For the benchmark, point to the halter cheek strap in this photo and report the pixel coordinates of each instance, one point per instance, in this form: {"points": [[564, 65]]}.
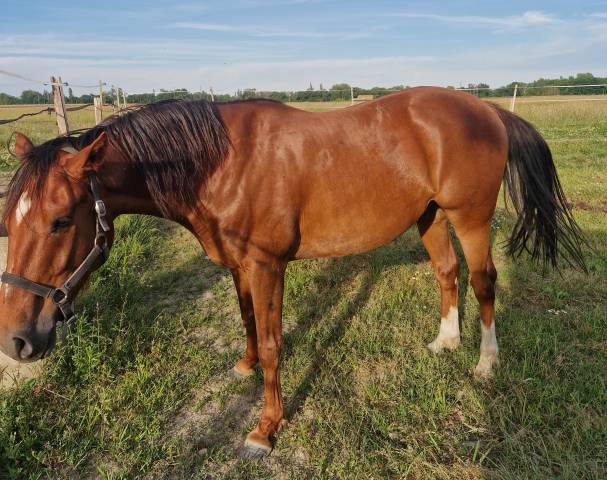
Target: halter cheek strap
{"points": [[62, 296]]}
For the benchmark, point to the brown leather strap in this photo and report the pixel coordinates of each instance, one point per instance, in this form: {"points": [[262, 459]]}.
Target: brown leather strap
{"points": [[25, 284]]}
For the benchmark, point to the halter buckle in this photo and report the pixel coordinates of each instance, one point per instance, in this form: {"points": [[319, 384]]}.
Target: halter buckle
{"points": [[101, 212], [100, 208]]}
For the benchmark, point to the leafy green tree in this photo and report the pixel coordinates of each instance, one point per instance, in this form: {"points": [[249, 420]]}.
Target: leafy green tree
{"points": [[31, 96], [6, 99]]}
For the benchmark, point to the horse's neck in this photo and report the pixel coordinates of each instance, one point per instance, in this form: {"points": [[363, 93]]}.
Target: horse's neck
{"points": [[125, 189], [126, 192]]}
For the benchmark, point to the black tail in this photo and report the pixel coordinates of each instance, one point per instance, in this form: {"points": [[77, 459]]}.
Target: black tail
{"points": [[545, 226]]}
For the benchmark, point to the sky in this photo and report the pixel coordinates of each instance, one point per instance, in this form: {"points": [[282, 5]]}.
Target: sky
{"points": [[286, 45]]}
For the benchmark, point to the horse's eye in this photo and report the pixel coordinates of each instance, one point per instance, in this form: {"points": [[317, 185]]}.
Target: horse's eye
{"points": [[61, 224]]}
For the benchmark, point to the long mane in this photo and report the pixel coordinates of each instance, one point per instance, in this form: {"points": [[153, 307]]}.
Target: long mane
{"points": [[175, 145]]}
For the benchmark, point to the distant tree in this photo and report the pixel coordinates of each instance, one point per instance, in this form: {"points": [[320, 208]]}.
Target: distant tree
{"points": [[341, 86], [6, 99], [31, 96]]}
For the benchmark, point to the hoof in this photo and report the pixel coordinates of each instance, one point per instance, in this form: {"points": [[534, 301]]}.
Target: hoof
{"points": [[256, 446], [484, 368], [440, 344], [242, 370]]}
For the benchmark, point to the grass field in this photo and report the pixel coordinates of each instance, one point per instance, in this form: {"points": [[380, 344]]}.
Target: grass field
{"points": [[142, 388]]}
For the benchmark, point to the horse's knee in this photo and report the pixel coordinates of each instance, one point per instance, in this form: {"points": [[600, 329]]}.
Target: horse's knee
{"points": [[269, 351], [447, 273]]}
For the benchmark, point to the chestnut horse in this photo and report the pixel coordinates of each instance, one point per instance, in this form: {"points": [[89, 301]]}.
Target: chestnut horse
{"points": [[260, 184]]}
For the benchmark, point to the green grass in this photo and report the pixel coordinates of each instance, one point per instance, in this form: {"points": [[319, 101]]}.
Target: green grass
{"points": [[141, 389]]}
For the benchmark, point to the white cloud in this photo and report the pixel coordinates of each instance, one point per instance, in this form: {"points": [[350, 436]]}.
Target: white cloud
{"points": [[527, 19], [263, 32]]}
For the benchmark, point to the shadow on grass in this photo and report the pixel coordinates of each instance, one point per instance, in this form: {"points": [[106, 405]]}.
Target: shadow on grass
{"points": [[318, 302], [330, 286], [546, 407]]}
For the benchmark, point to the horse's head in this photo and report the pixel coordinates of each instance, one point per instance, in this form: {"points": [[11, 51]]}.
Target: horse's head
{"points": [[52, 226]]}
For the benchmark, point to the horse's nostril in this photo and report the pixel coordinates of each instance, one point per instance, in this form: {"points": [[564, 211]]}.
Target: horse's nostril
{"points": [[19, 344], [23, 348]]}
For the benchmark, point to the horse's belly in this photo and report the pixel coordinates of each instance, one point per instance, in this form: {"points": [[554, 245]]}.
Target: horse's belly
{"points": [[358, 225]]}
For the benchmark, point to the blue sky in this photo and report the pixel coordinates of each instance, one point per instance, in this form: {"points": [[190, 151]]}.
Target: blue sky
{"points": [[271, 44]]}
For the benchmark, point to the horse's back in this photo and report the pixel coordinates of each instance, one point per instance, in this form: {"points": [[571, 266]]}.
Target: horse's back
{"points": [[347, 181], [385, 161]]}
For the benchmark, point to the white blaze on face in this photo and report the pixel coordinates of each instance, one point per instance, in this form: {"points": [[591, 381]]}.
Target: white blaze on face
{"points": [[23, 206]]}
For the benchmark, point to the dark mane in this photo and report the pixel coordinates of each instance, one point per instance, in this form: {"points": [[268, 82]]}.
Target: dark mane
{"points": [[252, 100], [176, 145]]}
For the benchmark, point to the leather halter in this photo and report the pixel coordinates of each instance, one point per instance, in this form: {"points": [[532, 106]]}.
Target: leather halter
{"points": [[62, 296]]}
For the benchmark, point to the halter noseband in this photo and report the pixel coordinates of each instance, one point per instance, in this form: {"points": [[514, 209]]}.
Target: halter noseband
{"points": [[62, 296]]}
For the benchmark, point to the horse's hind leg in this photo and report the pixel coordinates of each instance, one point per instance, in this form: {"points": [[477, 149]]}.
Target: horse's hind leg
{"points": [[434, 231], [475, 243], [246, 365]]}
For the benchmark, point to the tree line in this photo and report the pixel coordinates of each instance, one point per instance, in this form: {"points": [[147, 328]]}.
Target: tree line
{"points": [[340, 91]]}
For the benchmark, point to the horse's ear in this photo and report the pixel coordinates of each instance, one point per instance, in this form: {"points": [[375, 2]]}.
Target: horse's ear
{"points": [[23, 145], [88, 159]]}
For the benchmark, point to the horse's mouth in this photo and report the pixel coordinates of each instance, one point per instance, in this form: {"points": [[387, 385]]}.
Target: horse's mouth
{"points": [[52, 340]]}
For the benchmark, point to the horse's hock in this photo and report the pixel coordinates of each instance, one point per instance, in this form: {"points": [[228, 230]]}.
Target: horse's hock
{"points": [[12, 371]]}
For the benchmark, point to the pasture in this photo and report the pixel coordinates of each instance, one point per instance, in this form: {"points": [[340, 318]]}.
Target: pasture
{"points": [[142, 388]]}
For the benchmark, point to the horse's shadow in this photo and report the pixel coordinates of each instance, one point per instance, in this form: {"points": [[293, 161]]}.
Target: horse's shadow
{"points": [[336, 292], [328, 289], [319, 301], [322, 300]]}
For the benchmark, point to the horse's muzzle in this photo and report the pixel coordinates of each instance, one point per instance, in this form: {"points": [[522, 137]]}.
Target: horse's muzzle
{"points": [[29, 346]]}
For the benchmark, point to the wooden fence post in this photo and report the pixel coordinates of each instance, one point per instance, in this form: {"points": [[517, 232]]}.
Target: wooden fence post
{"points": [[118, 106], [513, 101], [98, 108], [100, 103], [59, 101], [123, 99], [113, 90]]}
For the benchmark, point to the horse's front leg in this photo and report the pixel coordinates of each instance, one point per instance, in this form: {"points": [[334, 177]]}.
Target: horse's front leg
{"points": [[267, 284], [246, 366]]}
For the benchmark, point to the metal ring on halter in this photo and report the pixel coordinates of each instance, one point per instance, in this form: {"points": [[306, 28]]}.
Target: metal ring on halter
{"points": [[63, 299]]}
